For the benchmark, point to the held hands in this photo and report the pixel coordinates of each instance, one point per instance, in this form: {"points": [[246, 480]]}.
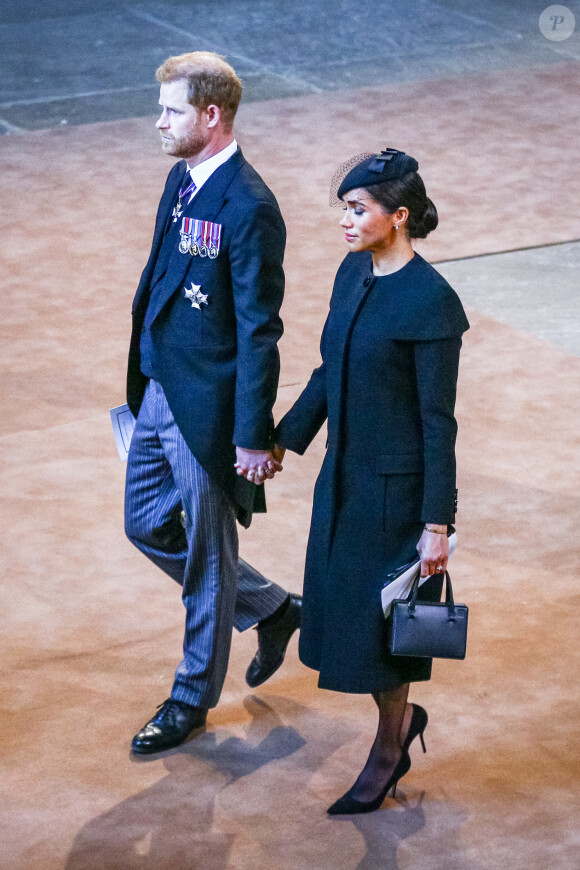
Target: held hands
{"points": [[257, 465], [433, 548]]}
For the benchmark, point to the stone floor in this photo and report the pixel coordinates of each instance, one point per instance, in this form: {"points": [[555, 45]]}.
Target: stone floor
{"points": [[91, 633], [535, 289]]}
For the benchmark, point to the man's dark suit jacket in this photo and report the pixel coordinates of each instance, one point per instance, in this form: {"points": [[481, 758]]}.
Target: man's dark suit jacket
{"points": [[218, 365]]}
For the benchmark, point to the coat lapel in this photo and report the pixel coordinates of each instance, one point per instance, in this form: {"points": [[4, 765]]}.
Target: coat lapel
{"points": [[164, 214], [207, 205], [348, 306], [353, 293]]}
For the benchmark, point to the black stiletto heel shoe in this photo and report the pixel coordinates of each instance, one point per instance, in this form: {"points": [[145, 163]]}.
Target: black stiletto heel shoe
{"points": [[347, 805], [417, 727]]}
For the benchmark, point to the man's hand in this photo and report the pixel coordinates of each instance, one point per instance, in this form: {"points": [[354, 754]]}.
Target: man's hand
{"points": [[257, 465]]}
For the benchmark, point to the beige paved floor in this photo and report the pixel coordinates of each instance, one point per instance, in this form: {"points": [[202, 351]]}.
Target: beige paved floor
{"points": [[92, 633]]}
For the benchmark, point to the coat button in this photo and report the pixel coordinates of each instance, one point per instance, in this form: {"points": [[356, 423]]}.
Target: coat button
{"points": [[367, 281]]}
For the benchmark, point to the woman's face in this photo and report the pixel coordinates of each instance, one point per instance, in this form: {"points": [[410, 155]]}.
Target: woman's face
{"points": [[367, 227]]}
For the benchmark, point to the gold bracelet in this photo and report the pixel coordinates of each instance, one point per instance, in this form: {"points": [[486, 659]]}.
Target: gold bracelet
{"points": [[435, 531]]}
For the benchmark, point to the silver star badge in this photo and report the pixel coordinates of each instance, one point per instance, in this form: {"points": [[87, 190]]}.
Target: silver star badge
{"points": [[196, 296]]}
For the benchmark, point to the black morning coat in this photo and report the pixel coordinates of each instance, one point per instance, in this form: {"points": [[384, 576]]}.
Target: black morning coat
{"points": [[387, 385], [219, 364]]}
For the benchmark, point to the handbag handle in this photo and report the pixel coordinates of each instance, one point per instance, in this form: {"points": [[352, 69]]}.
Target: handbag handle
{"points": [[412, 599]]}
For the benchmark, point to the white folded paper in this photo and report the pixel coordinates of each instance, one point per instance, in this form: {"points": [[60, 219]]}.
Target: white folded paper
{"points": [[401, 586], [123, 424]]}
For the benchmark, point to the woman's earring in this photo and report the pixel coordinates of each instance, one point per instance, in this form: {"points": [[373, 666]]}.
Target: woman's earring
{"points": [[396, 226]]}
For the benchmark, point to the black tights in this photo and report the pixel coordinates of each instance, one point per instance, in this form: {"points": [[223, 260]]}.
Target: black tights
{"points": [[386, 749]]}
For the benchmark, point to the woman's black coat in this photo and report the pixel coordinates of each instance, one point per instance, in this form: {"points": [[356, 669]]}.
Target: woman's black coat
{"points": [[387, 384]]}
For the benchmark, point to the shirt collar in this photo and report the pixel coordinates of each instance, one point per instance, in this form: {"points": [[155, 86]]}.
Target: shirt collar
{"points": [[201, 172]]}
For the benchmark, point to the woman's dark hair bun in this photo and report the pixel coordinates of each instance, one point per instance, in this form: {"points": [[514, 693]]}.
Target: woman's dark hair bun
{"points": [[408, 191], [420, 227]]}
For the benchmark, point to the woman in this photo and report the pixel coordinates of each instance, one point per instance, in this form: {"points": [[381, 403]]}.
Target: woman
{"points": [[387, 383]]}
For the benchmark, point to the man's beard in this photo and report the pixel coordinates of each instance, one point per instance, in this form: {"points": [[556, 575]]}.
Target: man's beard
{"points": [[187, 146]]}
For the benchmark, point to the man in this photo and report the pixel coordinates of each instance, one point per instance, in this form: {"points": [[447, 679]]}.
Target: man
{"points": [[202, 380]]}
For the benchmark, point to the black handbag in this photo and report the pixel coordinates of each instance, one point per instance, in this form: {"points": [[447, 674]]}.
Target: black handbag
{"points": [[427, 629]]}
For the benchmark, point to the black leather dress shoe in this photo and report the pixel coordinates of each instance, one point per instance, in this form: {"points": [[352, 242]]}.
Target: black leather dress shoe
{"points": [[169, 727], [273, 638]]}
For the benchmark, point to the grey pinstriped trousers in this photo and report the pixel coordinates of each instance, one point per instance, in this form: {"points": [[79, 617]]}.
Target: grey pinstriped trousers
{"points": [[219, 590]]}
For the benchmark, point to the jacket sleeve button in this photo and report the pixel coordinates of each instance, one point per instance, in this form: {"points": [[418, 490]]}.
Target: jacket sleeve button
{"points": [[367, 281]]}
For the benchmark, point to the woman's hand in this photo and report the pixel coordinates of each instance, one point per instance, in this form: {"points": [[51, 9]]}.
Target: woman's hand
{"points": [[433, 548], [278, 453]]}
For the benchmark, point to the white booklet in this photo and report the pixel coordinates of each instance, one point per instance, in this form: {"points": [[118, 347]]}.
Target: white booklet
{"points": [[123, 424], [400, 587]]}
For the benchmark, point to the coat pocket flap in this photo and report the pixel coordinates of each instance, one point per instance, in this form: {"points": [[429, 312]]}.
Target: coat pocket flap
{"points": [[399, 463]]}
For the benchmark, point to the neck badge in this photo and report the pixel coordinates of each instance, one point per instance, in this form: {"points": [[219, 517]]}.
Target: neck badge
{"points": [[182, 192], [196, 297], [200, 238]]}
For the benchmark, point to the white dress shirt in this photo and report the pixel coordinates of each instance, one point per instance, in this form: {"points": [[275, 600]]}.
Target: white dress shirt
{"points": [[201, 172]]}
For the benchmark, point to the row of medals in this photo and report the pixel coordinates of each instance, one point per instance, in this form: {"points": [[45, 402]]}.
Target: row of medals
{"points": [[187, 247]]}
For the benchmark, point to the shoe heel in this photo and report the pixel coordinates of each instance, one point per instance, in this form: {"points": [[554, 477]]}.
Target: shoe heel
{"points": [[401, 769], [417, 727]]}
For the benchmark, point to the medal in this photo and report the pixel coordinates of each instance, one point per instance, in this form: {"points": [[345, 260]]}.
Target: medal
{"points": [[179, 207], [186, 232], [200, 238], [198, 248], [196, 297], [214, 240]]}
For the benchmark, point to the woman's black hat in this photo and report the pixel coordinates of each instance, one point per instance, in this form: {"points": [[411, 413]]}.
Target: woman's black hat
{"points": [[385, 166]]}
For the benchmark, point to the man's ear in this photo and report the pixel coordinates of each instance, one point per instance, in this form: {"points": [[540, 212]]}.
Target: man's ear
{"points": [[213, 115]]}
